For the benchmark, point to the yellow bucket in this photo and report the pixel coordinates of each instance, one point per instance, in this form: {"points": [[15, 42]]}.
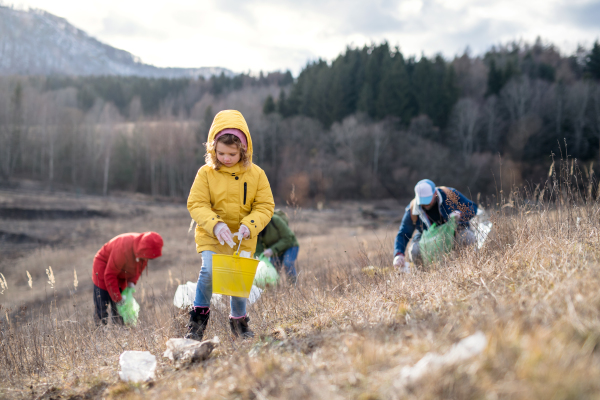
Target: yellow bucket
{"points": [[233, 275]]}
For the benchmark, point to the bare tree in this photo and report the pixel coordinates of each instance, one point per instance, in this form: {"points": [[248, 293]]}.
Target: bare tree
{"points": [[595, 122], [578, 96], [378, 133], [465, 123], [49, 134], [108, 120], [11, 132], [518, 97], [491, 118], [471, 75], [521, 99], [5, 133], [559, 108]]}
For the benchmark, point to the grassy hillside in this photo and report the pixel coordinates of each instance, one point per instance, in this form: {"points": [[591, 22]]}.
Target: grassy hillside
{"points": [[343, 332]]}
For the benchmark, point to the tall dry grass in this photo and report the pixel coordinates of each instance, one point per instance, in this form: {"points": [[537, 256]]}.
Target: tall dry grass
{"points": [[344, 332]]}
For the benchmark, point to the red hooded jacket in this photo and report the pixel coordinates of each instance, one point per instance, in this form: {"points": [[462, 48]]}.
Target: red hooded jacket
{"points": [[119, 262]]}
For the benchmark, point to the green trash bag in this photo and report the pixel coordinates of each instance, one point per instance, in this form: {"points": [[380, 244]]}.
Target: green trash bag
{"points": [[437, 241], [266, 274], [130, 308]]}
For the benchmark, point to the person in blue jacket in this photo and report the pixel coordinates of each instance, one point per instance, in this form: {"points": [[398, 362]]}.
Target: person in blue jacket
{"points": [[432, 204]]}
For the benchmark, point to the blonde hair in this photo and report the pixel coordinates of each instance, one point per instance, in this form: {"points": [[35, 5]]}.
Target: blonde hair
{"points": [[210, 158]]}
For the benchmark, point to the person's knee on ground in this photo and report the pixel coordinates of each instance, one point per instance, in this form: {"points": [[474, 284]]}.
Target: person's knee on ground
{"points": [[414, 250]]}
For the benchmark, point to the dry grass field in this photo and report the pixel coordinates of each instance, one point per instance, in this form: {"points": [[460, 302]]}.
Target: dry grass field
{"points": [[342, 332]]}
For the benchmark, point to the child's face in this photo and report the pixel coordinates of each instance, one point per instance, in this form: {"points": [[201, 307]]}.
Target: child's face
{"points": [[227, 155]]}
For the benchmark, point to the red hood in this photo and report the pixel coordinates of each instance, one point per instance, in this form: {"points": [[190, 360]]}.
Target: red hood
{"points": [[148, 245]]}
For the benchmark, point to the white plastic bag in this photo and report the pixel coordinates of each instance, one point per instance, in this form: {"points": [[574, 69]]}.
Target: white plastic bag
{"points": [[217, 302], [481, 232], [137, 366], [462, 351], [255, 293], [184, 295], [482, 226]]}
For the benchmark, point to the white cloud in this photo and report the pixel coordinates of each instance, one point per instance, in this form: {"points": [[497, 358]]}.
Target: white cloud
{"points": [[409, 9], [267, 35]]}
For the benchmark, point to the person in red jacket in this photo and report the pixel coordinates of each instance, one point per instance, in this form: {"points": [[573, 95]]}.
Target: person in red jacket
{"points": [[118, 264]]}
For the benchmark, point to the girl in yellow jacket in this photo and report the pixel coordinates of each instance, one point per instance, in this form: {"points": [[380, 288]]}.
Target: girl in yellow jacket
{"points": [[229, 194]]}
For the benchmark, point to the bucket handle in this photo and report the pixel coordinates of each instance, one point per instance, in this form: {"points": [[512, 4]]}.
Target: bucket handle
{"points": [[237, 252]]}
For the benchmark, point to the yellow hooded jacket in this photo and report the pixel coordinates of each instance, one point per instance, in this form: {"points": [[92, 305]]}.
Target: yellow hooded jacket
{"points": [[234, 195]]}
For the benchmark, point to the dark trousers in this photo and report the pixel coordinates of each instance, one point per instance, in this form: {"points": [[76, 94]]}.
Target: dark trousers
{"points": [[101, 301]]}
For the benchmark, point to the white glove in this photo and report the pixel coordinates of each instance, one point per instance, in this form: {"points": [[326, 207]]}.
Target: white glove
{"points": [[401, 264], [268, 253], [223, 234], [243, 233], [131, 285], [456, 214], [399, 260]]}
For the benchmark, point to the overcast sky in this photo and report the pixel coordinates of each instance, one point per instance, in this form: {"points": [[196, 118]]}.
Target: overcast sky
{"points": [[270, 35]]}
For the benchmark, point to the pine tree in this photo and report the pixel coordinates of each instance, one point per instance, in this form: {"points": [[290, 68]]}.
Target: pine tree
{"points": [[592, 62], [373, 74], [347, 80], [394, 89], [495, 79], [269, 105], [282, 104], [208, 117], [286, 79], [422, 82]]}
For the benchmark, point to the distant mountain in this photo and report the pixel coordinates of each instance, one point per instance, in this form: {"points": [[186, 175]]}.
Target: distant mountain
{"points": [[36, 42]]}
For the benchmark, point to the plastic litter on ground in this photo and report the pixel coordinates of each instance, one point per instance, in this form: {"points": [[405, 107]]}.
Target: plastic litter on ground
{"points": [[137, 366]]}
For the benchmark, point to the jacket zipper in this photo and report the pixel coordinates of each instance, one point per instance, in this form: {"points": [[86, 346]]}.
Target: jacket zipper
{"points": [[245, 190]]}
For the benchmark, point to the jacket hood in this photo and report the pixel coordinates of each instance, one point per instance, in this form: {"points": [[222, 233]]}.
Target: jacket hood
{"points": [[230, 119], [148, 245]]}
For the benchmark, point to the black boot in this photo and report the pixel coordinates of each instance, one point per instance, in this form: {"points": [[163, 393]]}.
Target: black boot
{"points": [[239, 326], [198, 320]]}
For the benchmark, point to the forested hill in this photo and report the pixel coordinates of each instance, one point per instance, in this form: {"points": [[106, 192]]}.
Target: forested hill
{"points": [[381, 82], [367, 125], [476, 102], [36, 42]]}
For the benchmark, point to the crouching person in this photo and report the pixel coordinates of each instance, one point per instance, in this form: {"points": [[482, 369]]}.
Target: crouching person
{"points": [[119, 264], [432, 205], [278, 242], [229, 194]]}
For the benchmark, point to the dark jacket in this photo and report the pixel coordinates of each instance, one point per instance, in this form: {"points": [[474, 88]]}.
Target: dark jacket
{"points": [[276, 236], [449, 199]]}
